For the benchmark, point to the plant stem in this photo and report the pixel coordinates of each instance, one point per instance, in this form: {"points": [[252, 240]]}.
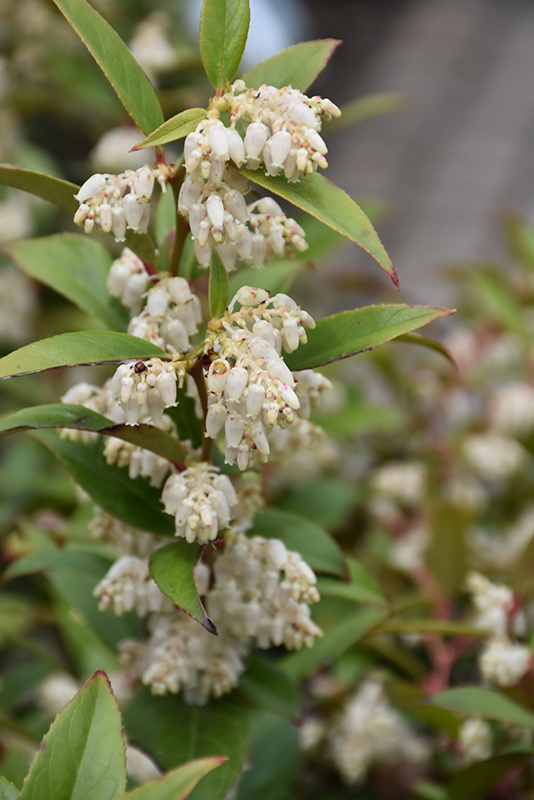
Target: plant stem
{"points": [[198, 376], [182, 228]]}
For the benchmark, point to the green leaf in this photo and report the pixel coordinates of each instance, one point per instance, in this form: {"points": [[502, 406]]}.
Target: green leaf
{"points": [[431, 344], [176, 784], [53, 559], [83, 753], [479, 779], [334, 642], [172, 569], [174, 128], [351, 332], [314, 544], [297, 66], [81, 348], [173, 733], [325, 501], [55, 190], [64, 415], [130, 83], [268, 687], [362, 588], [223, 36], [277, 278], [445, 627], [474, 700], [323, 199], [368, 107], [77, 268], [7, 790], [274, 761], [133, 501], [219, 287]]}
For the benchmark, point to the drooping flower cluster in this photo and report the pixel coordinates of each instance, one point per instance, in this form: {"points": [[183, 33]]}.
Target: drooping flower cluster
{"points": [[281, 135], [95, 398], [116, 203], [140, 462], [369, 731], [502, 660], [127, 586], [144, 389], [475, 740], [250, 387], [128, 280], [200, 500], [171, 315]]}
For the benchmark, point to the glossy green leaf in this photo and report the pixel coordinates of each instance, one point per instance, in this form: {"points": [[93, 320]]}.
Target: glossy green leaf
{"points": [[173, 733], [81, 348], [351, 332], [219, 287], [268, 687], [478, 780], [77, 268], [314, 544], [297, 66], [55, 190], [83, 753], [174, 128], [130, 83], [334, 642], [368, 107], [64, 415], [176, 784], [323, 199], [223, 36], [7, 790], [53, 559], [172, 569], [487, 703], [274, 761], [361, 588], [110, 487]]}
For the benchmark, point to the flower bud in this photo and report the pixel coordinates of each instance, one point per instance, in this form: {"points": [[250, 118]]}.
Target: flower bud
{"points": [[92, 187], [189, 194], [315, 140], [202, 253], [236, 147], [215, 209], [81, 214], [228, 255], [197, 212], [255, 138], [258, 249], [280, 147], [236, 205], [118, 223], [143, 182], [104, 217], [215, 419], [218, 140], [218, 375], [236, 383], [249, 296], [157, 302], [133, 211], [302, 114], [267, 205], [234, 428], [255, 399]]}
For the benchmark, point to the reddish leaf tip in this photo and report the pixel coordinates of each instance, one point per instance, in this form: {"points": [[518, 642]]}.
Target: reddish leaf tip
{"points": [[210, 626]]}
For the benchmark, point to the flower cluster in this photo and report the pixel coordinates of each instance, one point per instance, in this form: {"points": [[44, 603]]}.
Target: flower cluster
{"points": [[171, 315], [144, 389], [281, 135], [128, 280], [250, 387], [127, 586], [115, 203], [370, 732], [502, 660], [95, 398], [200, 500]]}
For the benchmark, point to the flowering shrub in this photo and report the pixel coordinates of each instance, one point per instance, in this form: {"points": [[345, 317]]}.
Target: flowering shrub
{"points": [[194, 570]]}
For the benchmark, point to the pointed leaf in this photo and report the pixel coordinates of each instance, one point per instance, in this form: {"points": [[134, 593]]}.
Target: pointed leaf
{"points": [[83, 753], [223, 36], [132, 501], [174, 128], [323, 199], [7, 790], [77, 268], [178, 783], [273, 762], [270, 688], [55, 190], [65, 415], [314, 544], [334, 642], [130, 83], [219, 287], [172, 569], [474, 700], [81, 348], [297, 66], [173, 732], [351, 332], [361, 588]]}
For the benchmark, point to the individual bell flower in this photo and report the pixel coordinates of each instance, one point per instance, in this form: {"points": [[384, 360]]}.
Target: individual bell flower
{"points": [[504, 662], [145, 389], [128, 586], [200, 500], [172, 314], [128, 279], [309, 386]]}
